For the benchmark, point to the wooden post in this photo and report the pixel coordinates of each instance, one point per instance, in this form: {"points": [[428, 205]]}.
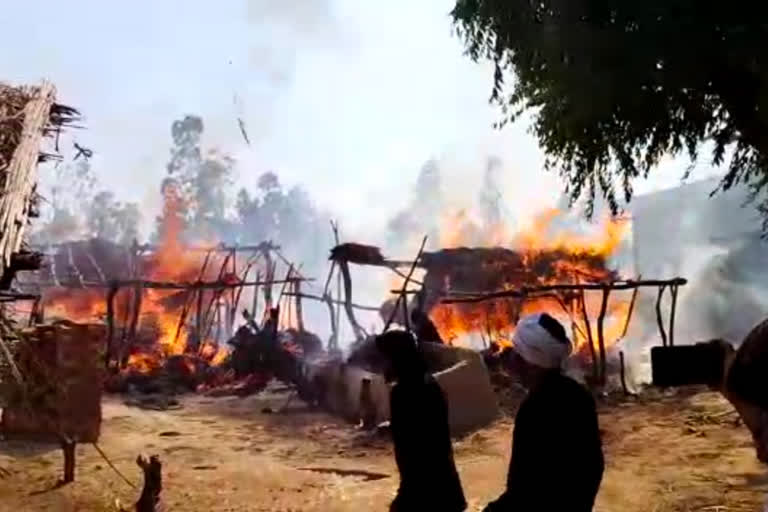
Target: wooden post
{"points": [[601, 337], [113, 288], [623, 373], [68, 447], [588, 329], [659, 319], [673, 290], [199, 315], [255, 303], [631, 309], [271, 267], [356, 329], [153, 484], [333, 340], [299, 306], [138, 294]]}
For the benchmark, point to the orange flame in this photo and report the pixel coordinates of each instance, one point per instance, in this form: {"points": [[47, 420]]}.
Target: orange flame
{"points": [[548, 256], [170, 262]]}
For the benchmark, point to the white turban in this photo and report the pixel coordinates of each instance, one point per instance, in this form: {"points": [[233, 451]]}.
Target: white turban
{"points": [[537, 346]]}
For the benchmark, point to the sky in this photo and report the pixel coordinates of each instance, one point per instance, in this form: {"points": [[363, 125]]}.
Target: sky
{"points": [[347, 97]]}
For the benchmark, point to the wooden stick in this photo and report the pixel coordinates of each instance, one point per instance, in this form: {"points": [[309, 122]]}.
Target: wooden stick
{"points": [[401, 295], [623, 373], [588, 328], [93, 262], [255, 302], [601, 337], [138, 294], [673, 289], [113, 289], [311, 296], [659, 319], [299, 306], [153, 484], [328, 279], [629, 314], [333, 339]]}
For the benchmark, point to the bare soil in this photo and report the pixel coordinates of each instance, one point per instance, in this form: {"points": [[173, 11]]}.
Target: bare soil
{"points": [[684, 451]]}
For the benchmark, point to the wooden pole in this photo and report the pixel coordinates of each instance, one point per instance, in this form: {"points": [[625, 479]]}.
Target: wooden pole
{"points": [[111, 322], [402, 295], [356, 329], [659, 319], [68, 447], [673, 290], [601, 337], [623, 373], [588, 329], [629, 313], [138, 294], [299, 306]]}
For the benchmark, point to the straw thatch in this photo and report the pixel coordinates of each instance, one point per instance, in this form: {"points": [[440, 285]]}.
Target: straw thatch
{"points": [[27, 115]]}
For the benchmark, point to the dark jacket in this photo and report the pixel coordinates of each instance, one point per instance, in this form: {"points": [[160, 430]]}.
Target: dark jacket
{"points": [[423, 450], [557, 457]]}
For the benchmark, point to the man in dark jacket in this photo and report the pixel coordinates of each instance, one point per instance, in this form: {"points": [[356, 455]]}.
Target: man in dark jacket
{"points": [[420, 431], [557, 458]]}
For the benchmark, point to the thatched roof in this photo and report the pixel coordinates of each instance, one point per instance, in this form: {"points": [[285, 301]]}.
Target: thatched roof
{"points": [[27, 115]]}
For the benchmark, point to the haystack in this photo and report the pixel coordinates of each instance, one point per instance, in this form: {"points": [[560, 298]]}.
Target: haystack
{"points": [[27, 116]]}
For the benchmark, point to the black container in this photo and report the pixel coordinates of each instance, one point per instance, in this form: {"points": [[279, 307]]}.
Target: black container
{"points": [[684, 365]]}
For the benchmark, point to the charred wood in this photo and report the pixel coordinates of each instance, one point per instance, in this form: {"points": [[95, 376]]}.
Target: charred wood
{"points": [[153, 484]]}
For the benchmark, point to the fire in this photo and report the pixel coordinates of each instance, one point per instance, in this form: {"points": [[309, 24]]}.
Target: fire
{"points": [[162, 308], [544, 255]]}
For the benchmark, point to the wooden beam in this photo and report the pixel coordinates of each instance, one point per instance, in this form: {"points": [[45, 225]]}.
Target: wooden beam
{"points": [[527, 291], [311, 296]]}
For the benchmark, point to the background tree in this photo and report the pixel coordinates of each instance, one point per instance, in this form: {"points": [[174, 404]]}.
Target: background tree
{"points": [[614, 85]]}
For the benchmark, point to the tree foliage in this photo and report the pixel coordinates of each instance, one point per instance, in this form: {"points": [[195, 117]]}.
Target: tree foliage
{"points": [[614, 85]]}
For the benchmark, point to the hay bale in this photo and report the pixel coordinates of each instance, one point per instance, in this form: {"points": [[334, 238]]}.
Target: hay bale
{"points": [[63, 369]]}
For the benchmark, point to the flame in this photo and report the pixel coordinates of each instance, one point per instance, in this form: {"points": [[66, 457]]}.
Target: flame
{"points": [[548, 255], [171, 262]]}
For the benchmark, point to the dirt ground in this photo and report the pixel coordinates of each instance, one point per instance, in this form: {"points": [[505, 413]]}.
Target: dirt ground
{"points": [[677, 452]]}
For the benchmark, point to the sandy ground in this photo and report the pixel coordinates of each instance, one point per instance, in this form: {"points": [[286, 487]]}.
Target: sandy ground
{"points": [[681, 452]]}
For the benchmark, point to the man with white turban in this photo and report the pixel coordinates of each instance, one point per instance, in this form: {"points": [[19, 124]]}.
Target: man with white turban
{"points": [[557, 457]]}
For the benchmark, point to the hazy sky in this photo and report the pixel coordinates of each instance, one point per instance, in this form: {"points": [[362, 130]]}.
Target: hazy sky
{"points": [[348, 97]]}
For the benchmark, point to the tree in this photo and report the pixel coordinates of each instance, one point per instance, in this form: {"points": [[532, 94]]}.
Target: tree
{"points": [[198, 185], [112, 220], [614, 85]]}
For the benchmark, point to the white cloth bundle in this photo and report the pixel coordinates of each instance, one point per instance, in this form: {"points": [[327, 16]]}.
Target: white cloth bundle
{"points": [[537, 346]]}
